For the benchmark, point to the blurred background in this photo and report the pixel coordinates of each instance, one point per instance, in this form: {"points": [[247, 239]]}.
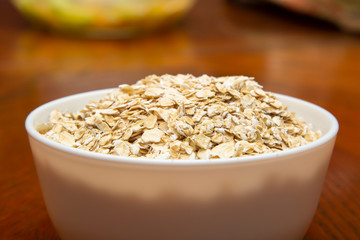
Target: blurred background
{"points": [[53, 48]]}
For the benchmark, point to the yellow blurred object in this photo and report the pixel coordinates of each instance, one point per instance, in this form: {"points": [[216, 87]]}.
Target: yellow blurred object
{"points": [[103, 18]]}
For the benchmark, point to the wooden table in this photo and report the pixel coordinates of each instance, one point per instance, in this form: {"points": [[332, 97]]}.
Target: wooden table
{"points": [[287, 53]]}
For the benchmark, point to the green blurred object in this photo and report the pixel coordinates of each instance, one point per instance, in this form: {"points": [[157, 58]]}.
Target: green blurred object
{"points": [[103, 18]]}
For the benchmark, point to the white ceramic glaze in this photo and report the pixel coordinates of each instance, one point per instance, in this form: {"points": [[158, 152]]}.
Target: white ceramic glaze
{"points": [[96, 196]]}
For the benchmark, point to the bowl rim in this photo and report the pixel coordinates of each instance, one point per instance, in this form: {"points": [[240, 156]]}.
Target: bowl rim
{"points": [[30, 128]]}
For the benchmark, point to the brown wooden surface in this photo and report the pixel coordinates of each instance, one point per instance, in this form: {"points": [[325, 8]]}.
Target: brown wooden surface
{"points": [[287, 53]]}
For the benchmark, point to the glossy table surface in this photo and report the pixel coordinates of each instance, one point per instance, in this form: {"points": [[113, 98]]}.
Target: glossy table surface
{"points": [[286, 53]]}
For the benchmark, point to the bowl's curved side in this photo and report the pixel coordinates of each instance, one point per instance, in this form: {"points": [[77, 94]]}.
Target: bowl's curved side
{"points": [[251, 200]]}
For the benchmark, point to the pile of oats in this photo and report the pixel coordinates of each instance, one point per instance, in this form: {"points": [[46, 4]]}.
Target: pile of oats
{"points": [[182, 117]]}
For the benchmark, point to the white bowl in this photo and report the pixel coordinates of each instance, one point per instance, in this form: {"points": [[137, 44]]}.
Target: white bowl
{"points": [[97, 196]]}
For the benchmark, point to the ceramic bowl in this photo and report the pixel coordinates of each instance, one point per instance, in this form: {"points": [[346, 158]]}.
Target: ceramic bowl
{"points": [[97, 196]]}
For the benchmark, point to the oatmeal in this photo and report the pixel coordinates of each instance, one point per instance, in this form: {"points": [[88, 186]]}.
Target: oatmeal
{"points": [[182, 117]]}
